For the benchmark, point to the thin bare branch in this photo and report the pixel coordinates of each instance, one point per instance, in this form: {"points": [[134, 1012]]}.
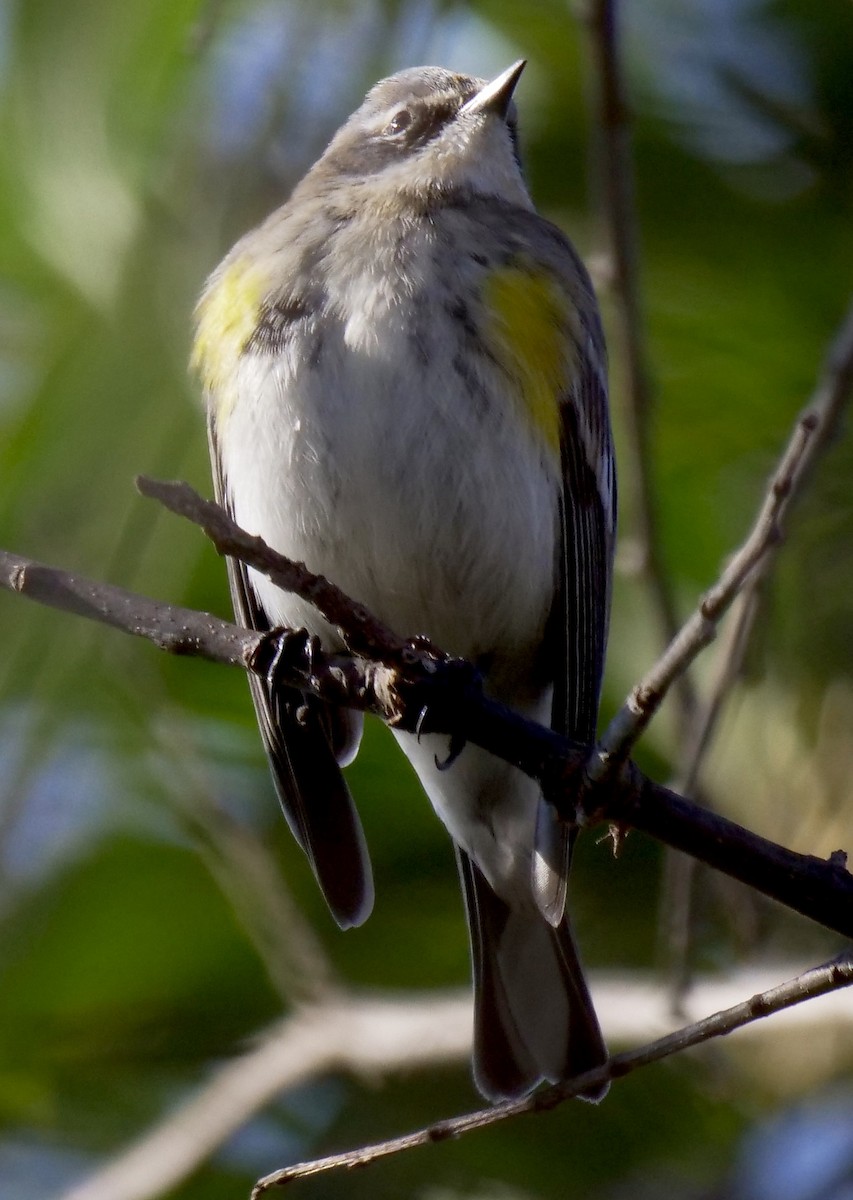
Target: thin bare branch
{"points": [[814, 427], [612, 127], [826, 403], [817, 982], [368, 1036], [173, 629], [362, 632], [380, 1036], [677, 903], [339, 679]]}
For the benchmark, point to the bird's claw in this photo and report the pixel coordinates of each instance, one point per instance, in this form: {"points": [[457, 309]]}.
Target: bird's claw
{"points": [[289, 650]]}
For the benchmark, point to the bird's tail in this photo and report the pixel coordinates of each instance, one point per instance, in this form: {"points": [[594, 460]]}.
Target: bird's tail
{"points": [[533, 1016]]}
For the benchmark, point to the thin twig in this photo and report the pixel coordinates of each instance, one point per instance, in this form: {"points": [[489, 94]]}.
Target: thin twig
{"points": [[376, 1037], [183, 631], [676, 902], [368, 1036], [815, 425], [817, 982], [616, 174], [362, 632], [827, 403]]}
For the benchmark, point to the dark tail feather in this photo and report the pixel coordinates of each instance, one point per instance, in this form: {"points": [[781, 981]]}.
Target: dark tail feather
{"points": [[533, 1016], [317, 804]]}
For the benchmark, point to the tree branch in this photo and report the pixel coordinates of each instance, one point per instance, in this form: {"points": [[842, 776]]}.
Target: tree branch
{"points": [[376, 1037], [825, 407], [618, 195], [362, 632], [365, 1035], [827, 404], [414, 686], [815, 425], [440, 695], [817, 982], [171, 628]]}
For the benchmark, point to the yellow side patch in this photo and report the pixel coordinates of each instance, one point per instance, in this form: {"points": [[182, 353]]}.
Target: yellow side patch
{"points": [[530, 337], [226, 317]]}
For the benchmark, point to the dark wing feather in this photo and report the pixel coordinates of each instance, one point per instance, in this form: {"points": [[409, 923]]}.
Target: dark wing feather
{"points": [[301, 735], [576, 636], [581, 612]]}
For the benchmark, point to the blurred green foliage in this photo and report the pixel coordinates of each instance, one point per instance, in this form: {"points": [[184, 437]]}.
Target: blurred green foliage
{"points": [[137, 140]]}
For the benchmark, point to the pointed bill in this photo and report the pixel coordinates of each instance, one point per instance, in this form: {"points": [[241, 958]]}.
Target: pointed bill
{"points": [[496, 95]]}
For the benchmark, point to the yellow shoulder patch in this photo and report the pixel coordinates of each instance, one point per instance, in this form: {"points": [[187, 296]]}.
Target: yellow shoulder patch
{"points": [[226, 317], [530, 336]]}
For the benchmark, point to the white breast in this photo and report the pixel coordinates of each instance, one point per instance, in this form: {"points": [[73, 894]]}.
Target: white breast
{"points": [[376, 464]]}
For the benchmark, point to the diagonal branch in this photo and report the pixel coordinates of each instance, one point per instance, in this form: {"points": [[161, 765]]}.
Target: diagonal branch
{"points": [[826, 404], [428, 692], [817, 982], [176, 630], [374, 1037], [825, 407], [363, 633], [364, 1035], [815, 426]]}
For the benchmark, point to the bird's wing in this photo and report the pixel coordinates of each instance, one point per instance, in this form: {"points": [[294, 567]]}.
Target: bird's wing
{"points": [[302, 737], [581, 611], [576, 636]]}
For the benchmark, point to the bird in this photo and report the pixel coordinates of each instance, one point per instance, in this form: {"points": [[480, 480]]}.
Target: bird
{"points": [[405, 380]]}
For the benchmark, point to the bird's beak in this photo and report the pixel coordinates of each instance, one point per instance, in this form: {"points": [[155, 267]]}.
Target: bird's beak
{"points": [[496, 95]]}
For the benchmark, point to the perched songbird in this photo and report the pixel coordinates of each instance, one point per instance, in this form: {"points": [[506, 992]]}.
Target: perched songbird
{"points": [[406, 387]]}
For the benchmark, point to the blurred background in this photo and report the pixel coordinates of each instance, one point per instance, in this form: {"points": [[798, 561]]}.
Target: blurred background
{"points": [[144, 920]]}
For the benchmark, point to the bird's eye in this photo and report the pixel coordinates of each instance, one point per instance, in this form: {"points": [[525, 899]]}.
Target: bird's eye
{"points": [[399, 122]]}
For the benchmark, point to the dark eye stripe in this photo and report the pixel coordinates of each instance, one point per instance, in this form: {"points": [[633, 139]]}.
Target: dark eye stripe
{"points": [[426, 122], [386, 146], [407, 129]]}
